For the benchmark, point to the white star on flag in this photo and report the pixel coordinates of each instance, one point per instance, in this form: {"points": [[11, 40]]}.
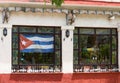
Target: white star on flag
{"points": [[23, 42]]}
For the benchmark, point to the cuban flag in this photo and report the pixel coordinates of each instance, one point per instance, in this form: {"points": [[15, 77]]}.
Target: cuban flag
{"points": [[36, 43]]}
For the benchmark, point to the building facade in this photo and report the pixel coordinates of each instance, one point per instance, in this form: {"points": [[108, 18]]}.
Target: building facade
{"points": [[82, 33], [84, 37]]}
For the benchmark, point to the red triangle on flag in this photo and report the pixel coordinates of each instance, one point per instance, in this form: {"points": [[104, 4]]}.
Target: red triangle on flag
{"points": [[24, 42]]}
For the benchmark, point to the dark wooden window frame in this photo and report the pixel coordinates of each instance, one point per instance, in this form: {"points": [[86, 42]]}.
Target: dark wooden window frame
{"points": [[79, 67], [16, 67]]}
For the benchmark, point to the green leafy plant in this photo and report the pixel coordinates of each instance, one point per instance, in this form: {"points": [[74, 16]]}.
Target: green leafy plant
{"points": [[57, 2]]}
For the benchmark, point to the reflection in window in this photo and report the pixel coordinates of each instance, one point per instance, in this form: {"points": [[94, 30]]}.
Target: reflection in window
{"points": [[57, 42], [15, 57], [102, 31], [76, 41], [91, 40], [36, 58], [45, 30], [27, 29], [95, 52], [86, 31], [15, 39]]}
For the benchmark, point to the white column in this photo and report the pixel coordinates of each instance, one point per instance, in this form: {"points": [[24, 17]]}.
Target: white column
{"points": [[5, 49], [67, 49], [118, 29]]}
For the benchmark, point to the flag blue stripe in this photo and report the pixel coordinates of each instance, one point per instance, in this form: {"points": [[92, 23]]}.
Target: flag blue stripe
{"points": [[40, 42], [38, 50], [43, 43], [38, 35]]}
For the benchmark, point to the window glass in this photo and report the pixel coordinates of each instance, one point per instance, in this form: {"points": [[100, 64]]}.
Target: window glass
{"points": [[102, 31], [95, 52], [83, 41], [15, 40], [76, 30], [57, 55], [36, 47], [57, 41], [86, 31], [114, 42], [27, 29], [113, 31], [36, 58], [75, 58], [57, 30], [14, 29], [94, 49], [114, 57], [45, 30], [104, 50], [15, 57], [75, 41]]}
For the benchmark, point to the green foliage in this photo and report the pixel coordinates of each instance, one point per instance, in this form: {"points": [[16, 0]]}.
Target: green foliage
{"points": [[104, 50], [57, 2]]}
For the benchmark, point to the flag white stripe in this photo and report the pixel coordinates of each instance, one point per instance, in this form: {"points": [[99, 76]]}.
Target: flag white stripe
{"points": [[40, 39], [37, 46]]}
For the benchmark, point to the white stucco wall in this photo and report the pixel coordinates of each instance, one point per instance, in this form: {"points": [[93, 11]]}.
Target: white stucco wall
{"points": [[37, 19], [59, 19], [91, 20], [67, 49], [5, 49]]}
